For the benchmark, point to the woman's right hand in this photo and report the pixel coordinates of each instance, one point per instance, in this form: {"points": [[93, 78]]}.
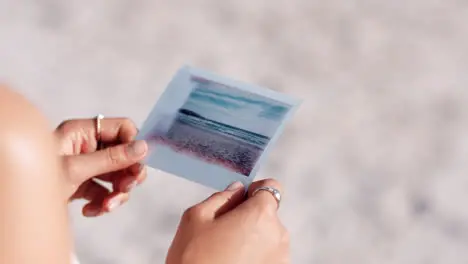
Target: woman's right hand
{"points": [[225, 229]]}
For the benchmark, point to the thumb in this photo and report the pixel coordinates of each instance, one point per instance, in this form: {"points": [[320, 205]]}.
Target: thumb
{"points": [[221, 202], [86, 166]]}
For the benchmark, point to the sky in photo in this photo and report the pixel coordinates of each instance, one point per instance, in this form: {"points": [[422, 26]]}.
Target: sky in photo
{"points": [[236, 107]]}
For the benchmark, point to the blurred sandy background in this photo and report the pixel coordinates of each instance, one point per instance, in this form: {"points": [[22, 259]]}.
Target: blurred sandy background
{"points": [[374, 162]]}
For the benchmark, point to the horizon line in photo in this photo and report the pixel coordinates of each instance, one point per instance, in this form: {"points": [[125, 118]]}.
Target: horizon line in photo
{"points": [[235, 107]]}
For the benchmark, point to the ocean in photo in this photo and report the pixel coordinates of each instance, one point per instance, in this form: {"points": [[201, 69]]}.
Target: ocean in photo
{"points": [[214, 142]]}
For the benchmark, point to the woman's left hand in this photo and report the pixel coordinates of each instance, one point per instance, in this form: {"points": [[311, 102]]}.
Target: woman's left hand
{"points": [[118, 163]]}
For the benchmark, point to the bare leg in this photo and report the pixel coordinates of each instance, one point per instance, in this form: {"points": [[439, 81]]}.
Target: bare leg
{"points": [[33, 213]]}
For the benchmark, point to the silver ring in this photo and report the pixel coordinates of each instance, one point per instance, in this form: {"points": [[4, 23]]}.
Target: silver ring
{"points": [[276, 194], [98, 131]]}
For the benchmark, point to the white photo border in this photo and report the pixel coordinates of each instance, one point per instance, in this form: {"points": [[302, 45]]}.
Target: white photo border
{"points": [[181, 81]]}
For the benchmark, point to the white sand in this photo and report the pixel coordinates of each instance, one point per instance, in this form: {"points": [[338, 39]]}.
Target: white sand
{"points": [[374, 162]]}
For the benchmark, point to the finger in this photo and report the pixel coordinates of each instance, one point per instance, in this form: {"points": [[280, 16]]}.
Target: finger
{"points": [[85, 166], [136, 171], [105, 204], [95, 193], [263, 200], [139, 171], [92, 210], [112, 129], [221, 202], [115, 200], [129, 178], [93, 190], [142, 176]]}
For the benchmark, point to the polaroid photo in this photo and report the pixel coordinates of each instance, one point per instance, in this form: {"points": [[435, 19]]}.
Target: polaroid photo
{"points": [[213, 130]]}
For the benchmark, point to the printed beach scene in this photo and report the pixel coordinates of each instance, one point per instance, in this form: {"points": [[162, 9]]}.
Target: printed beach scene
{"points": [[220, 125]]}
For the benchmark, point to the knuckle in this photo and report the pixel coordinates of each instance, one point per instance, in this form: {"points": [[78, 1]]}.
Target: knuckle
{"points": [[126, 129], [263, 210], [70, 167], [142, 176], [221, 196], [115, 156], [193, 213], [65, 126], [285, 236], [266, 211], [127, 123]]}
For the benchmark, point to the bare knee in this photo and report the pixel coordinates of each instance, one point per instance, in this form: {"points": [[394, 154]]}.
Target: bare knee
{"points": [[31, 199], [28, 156], [25, 135], [19, 116]]}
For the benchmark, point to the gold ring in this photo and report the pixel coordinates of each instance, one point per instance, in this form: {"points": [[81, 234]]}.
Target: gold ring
{"points": [[98, 131]]}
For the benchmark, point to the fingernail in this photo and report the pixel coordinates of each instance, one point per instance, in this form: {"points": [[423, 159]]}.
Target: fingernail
{"points": [[91, 212], [131, 185], [137, 148], [235, 186], [140, 168], [114, 203], [135, 170]]}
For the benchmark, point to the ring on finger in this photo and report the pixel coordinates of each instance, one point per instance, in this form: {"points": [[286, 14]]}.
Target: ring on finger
{"points": [[99, 117], [274, 192]]}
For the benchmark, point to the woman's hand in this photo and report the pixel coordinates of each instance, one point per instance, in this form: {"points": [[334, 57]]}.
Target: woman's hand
{"points": [[224, 229], [117, 163]]}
